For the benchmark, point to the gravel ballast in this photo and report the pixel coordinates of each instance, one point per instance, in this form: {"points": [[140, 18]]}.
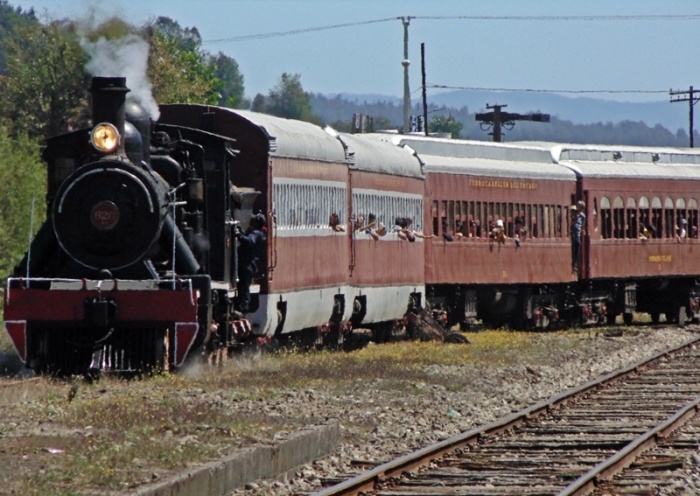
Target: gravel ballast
{"points": [[378, 425]]}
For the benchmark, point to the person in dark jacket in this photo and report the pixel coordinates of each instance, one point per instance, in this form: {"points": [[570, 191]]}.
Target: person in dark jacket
{"points": [[251, 248], [578, 220]]}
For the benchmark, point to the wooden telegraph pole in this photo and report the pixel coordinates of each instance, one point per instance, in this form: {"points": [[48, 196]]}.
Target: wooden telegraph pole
{"points": [[688, 96]]}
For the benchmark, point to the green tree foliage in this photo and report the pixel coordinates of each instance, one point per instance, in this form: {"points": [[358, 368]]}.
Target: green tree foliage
{"points": [[288, 99], [11, 19], [442, 124], [187, 39], [258, 104], [230, 87], [22, 183], [45, 83], [178, 69]]}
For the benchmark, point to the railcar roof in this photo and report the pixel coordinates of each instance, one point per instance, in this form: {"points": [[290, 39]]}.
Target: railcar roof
{"points": [[297, 139], [609, 161], [376, 156], [481, 158]]}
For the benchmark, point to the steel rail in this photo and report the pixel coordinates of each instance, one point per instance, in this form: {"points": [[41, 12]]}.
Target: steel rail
{"points": [[607, 469], [366, 481]]}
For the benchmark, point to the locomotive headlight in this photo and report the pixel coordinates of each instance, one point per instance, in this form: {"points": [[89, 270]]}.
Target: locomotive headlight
{"points": [[105, 137]]}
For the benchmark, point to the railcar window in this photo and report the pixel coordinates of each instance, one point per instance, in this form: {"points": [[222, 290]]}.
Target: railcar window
{"points": [[692, 218], [303, 206], [443, 216], [606, 218], [618, 218], [644, 215], [681, 214], [631, 219], [434, 212], [509, 220], [669, 222], [478, 219], [657, 218], [385, 208], [558, 224], [451, 216], [457, 227], [473, 216], [594, 220]]}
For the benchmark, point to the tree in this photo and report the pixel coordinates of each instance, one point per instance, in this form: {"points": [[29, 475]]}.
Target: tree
{"points": [[22, 184], [46, 80], [288, 99], [11, 18], [231, 89], [188, 39], [258, 104], [442, 124], [178, 70]]}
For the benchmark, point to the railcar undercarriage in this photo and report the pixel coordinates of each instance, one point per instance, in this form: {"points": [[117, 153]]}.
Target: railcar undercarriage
{"points": [[544, 307]]}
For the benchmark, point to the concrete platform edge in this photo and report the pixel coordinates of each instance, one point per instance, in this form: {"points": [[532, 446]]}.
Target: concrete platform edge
{"points": [[250, 464]]}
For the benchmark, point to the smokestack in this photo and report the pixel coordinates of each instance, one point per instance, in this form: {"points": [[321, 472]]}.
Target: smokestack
{"points": [[108, 103]]}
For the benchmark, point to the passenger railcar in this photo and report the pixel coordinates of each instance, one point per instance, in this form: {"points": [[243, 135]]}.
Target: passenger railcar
{"points": [[641, 248], [319, 272], [499, 214]]}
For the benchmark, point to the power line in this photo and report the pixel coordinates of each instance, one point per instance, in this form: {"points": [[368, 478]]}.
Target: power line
{"points": [[276, 34], [294, 31], [655, 17], [534, 90]]}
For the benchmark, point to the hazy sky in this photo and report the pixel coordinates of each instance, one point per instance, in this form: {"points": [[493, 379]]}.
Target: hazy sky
{"points": [[571, 45]]}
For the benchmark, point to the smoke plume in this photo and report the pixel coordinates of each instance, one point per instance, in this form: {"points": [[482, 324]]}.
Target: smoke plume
{"points": [[124, 57]]}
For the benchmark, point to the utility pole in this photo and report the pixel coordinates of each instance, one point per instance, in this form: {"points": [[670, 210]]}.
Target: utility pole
{"points": [[425, 101], [499, 119], [691, 99], [406, 90]]}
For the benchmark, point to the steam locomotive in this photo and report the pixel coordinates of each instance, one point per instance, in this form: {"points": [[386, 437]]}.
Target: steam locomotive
{"points": [[123, 274], [135, 267]]}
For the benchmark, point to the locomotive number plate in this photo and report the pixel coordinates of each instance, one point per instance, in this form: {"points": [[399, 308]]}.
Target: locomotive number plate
{"points": [[104, 215]]}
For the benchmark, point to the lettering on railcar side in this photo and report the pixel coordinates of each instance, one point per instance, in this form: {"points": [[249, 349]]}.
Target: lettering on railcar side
{"points": [[502, 184], [660, 258]]}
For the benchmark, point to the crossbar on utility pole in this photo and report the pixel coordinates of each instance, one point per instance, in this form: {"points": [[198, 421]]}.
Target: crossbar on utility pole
{"points": [[691, 99], [498, 118]]}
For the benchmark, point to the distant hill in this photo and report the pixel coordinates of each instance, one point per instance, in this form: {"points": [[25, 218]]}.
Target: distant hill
{"points": [[574, 119], [578, 110]]}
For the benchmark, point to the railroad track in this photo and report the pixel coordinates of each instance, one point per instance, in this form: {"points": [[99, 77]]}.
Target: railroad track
{"points": [[566, 445]]}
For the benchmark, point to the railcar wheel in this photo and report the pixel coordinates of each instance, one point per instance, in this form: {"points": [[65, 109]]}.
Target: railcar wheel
{"points": [[671, 315], [381, 333], [627, 318], [331, 339], [655, 317]]}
